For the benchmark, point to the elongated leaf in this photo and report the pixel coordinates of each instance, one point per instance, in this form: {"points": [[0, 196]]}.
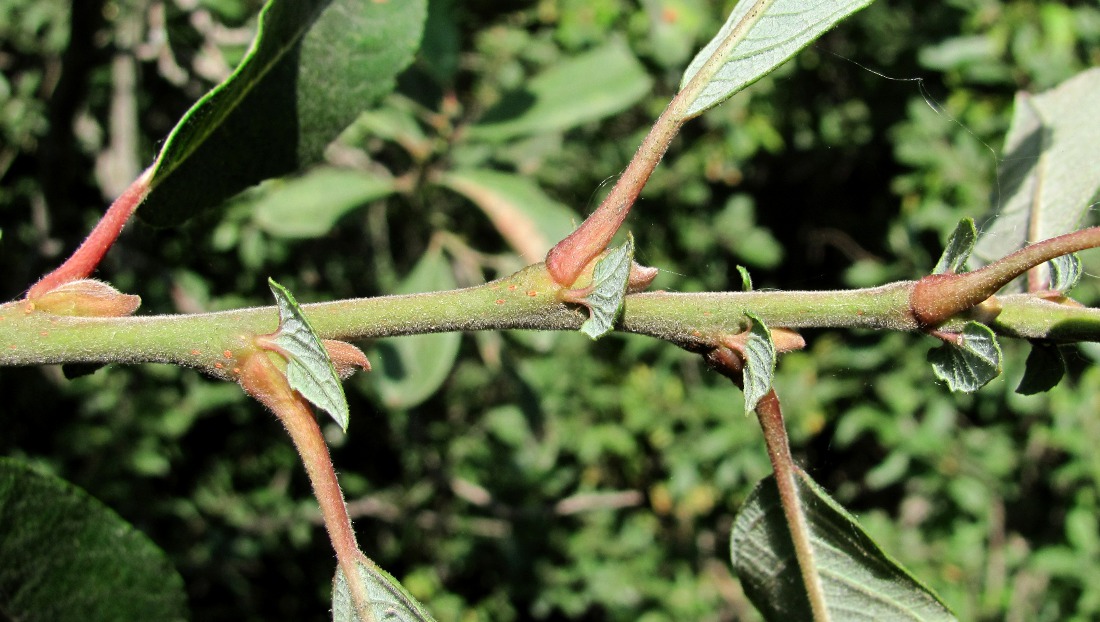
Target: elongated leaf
{"points": [[1065, 272], [309, 369], [959, 247], [970, 365], [860, 581], [1043, 370], [1051, 170], [759, 36], [759, 363], [529, 220], [589, 87], [746, 279], [315, 64], [414, 367], [309, 206], [389, 600], [609, 281], [66, 557]]}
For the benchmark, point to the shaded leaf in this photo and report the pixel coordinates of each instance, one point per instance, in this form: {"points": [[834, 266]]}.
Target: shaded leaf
{"points": [[587, 87], [959, 247], [411, 369], [860, 581], [389, 600], [65, 556], [1065, 272], [309, 206], [759, 363], [609, 283], [1044, 369], [1051, 170], [767, 33], [314, 65], [309, 369], [970, 365], [529, 220]]}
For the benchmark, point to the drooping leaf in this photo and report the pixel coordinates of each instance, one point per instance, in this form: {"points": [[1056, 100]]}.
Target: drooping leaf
{"points": [[959, 247], [1051, 170], [746, 279], [1043, 370], [411, 369], [759, 36], [1065, 272], [970, 365], [389, 600], [64, 556], [588, 87], [609, 282], [860, 581], [309, 206], [529, 220], [309, 369], [759, 363], [314, 65]]}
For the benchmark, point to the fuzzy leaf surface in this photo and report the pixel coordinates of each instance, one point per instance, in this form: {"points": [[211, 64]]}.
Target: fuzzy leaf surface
{"points": [[309, 369], [970, 365], [959, 247], [389, 601], [313, 66], [1051, 170], [1065, 272], [64, 556], [759, 363], [609, 282], [310, 206], [860, 581], [767, 33]]}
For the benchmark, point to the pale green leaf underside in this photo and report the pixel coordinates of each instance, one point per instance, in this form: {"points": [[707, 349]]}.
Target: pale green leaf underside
{"points": [[310, 206], [389, 601], [66, 557], [314, 65], [959, 247], [860, 581], [309, 369], [759, 363], [582, 89], [609, 282], [784, 28], [411, 369], [1051, 170], [972, 364]]}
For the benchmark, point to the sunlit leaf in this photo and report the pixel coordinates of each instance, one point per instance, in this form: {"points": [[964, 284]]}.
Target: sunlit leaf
{"points": [[758, 36], [1051, 170], [315, 64], [64, 556], [309, 206], [759, 363], [309, 369], [746, 279], [860, 581], [609, 282], [959, 247], [1065, 272], [389, 600], [970, 365]]}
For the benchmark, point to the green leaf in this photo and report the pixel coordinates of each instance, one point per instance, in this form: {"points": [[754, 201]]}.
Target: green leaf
{"points": [[530, 221], [970, 365], [609, 281], [959, 247], [309, 206], [588, 87], [389, 600], [65, 556], [314, 65], [1050, 173], [759, 363], [860, 581], [411, 369], [309, 369], [746, 279], [1043, 370], [759, 36], [1065, 272]]}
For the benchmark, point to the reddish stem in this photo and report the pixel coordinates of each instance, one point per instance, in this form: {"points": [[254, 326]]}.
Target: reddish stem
{"points": [[84, 260]]}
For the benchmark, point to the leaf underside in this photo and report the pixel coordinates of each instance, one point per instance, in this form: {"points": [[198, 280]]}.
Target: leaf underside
{"points": [[389, 601], [759, 363], [609, 283], [958, 249], [970, 365], [860, 581]]}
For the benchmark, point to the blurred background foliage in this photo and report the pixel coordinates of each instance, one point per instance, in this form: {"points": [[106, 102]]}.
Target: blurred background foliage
{"points": [[527, 476]]}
